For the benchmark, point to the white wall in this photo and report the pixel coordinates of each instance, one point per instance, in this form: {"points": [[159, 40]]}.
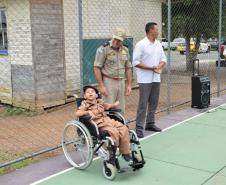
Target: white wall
{"points": [[142, 12], [71, 37], [5, 74], [19, 44], [19, 32], [100, 19]]}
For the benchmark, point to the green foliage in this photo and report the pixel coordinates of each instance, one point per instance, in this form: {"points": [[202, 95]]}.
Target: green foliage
{"points": [[193, 18]]}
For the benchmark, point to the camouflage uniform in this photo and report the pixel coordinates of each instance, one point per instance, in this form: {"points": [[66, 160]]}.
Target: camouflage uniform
{"points": [[113, 64]]}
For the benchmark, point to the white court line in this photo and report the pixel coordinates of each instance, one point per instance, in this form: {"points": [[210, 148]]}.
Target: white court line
{"points": [[61, 172]]}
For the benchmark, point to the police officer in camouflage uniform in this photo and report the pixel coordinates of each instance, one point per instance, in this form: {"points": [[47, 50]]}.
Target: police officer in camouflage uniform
{"points": [[111, 67]]}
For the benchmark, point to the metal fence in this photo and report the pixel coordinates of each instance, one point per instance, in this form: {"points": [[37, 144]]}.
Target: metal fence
{"points": [[189, 29]]}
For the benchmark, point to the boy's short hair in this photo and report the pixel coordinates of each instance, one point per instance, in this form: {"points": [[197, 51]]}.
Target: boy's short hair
{"points": [[91, 87]]}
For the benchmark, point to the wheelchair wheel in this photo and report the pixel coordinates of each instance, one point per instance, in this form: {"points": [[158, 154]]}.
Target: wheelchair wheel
{"points": [[109, 171], [77, 144]]}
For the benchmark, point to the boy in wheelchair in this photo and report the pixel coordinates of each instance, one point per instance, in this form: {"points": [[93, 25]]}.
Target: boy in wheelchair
{"points": [[95, 107], [100, 132]]}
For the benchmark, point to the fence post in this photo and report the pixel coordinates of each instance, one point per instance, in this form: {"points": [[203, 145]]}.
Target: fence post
{"points": [[80, 45], [219, 49], [169, 59]]}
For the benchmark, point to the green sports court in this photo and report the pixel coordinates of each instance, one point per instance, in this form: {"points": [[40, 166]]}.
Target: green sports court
{"points": [[191, 152]]}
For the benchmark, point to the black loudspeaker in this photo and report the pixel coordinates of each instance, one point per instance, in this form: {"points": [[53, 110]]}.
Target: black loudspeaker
{"points": [[200, 89]]}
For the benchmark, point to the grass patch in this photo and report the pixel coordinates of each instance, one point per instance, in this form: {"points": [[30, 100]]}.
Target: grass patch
{"points": [[7, 111], [17, 166]]}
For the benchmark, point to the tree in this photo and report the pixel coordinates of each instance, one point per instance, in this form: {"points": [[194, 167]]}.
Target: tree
{"points": [[193, 19]]}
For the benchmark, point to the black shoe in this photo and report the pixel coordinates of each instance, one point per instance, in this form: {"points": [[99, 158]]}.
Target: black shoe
{"points": [[153, 127], [139, 134], [127, 157]]}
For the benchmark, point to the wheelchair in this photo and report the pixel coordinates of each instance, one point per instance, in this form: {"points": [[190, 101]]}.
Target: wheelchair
{"points": [[82, 140]]}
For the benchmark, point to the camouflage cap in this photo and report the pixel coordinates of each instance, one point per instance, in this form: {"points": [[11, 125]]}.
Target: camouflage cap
{"points": [[119, 34]]}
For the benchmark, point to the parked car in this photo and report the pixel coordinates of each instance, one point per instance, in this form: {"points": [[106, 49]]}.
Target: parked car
{"points": [[203, 48], [176, 41], [223, 46], [181, 47], [164, 43], [213, 42]]}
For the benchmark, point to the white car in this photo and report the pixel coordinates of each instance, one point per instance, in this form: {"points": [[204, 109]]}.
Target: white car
{"points": [[204, 47], [164, 43]]}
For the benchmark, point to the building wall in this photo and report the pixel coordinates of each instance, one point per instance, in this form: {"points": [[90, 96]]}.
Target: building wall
{"points": [[48, 52], [5, 73], [17, 66], [43, 66], [100, 19], [20, 53], [71, 38], [142, 12]]}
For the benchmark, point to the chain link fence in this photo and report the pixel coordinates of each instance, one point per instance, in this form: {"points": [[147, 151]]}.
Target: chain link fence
{"points": [[48, 49]]}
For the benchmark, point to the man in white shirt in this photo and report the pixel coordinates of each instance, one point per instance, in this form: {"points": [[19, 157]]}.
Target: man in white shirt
{"points": [[149, 60]]}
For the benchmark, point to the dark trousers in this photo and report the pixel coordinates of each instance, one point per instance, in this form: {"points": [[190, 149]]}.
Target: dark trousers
{"points": [[148, 102]]}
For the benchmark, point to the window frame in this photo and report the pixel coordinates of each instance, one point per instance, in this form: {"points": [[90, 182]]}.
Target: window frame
{"points": [[3, 32]]}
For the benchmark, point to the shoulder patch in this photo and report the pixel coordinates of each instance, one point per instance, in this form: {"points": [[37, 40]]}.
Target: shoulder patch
{"points": [[106, 44], [100, 49]]}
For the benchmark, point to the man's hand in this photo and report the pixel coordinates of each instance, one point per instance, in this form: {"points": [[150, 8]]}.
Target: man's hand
{"points": [[128, 90], [103, 90], [158, 70]]}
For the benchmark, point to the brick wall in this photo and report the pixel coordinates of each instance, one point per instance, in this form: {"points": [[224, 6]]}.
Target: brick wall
{"points": [[48, 52]]}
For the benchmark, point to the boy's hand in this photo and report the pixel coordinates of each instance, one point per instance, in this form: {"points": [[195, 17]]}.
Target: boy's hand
{"points": [[91, 114], [116, 104]]}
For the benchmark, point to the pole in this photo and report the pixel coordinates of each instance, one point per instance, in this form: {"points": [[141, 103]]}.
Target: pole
{"points": [[169, 59], [80, 45], [219, 48]]}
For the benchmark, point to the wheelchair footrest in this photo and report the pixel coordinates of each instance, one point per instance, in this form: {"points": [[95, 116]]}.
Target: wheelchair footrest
{"points": [[137, 165]]}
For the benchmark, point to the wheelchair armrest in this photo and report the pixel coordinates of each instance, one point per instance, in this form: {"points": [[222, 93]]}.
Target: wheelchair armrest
{"points": [[114, 110], [85, 118]]}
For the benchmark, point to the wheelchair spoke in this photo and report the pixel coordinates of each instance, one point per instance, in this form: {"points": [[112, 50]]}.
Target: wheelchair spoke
{"points": [[77, 145]]}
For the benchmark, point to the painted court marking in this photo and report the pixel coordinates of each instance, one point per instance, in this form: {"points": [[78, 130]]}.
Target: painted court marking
{"points": [[179, 123]]}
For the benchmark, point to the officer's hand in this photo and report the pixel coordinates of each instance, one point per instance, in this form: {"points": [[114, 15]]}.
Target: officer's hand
{"points": [[103, 91], [128, 90]]}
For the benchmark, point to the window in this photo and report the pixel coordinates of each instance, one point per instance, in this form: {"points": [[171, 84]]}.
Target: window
{"points": [[3, 33]]}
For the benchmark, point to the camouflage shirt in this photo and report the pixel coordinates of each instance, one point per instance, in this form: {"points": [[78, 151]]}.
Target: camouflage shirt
{"points": [[112, 62]]}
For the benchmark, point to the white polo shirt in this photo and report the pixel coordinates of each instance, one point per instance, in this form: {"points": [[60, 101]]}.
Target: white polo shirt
{"points": [[224, 53], [150, 54]]}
